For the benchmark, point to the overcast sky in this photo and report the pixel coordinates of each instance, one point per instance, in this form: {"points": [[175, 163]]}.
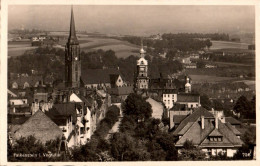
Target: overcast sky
{"points": [[135, 20]]}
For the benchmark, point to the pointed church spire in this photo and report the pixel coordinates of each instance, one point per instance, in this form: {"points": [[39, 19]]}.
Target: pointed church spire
{"points": [[72, 37]]}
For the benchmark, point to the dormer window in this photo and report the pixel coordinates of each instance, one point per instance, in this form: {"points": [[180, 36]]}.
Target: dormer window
{"points": [[215, 139]]}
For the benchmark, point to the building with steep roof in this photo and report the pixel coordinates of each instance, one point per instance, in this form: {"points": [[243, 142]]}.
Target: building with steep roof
{"points": [[40, 126], [100, 78], [207, 132], [23, 82]]}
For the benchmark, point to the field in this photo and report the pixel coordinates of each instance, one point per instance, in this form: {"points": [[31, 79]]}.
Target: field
{"points": [[209, 79], [122, 49], [18, 48], [224, 45]]}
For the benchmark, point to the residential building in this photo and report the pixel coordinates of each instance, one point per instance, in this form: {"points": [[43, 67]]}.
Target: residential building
{"points": [[102, 78], [40, 126], [191, 100], [207, 132]]}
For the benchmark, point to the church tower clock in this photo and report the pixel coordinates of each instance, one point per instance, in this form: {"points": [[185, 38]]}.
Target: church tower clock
{"points": [[72, 57]]}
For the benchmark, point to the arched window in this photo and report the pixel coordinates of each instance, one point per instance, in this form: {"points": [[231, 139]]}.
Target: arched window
{"points": [[142, 62]]}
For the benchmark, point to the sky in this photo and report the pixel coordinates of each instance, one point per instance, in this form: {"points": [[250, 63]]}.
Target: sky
{"points": [[135, 20]]}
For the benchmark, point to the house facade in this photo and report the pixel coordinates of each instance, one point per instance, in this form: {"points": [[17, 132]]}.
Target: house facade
{"points": [[208, 132]]}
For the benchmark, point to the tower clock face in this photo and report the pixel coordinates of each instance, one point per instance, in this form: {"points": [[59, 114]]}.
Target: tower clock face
{"points": [[76, 58]]}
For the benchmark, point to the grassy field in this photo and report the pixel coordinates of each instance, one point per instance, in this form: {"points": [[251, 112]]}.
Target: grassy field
{"points": [[209, 79], [122, 49], [18, 48], [224, 45]]}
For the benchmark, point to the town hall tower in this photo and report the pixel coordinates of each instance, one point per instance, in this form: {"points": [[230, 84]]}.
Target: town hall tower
{"points": [[142, 80]]}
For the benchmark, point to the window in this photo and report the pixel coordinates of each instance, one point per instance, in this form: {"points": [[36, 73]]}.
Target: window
{"points": [[168, 95], [142, 62], [168, 101], [209, 151], [215, 139], [219, 139]]}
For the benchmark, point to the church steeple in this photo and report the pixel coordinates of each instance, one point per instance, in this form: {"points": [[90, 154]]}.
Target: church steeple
{"points": [[72, 57], [72, 37]]}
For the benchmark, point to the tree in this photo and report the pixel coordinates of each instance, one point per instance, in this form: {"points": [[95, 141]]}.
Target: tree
{"points": [[121, 145], [205, 102], [243, 107], [208, 43], [201, 64], [190, 152], [137, 107], [37, 150], [217, 105]]}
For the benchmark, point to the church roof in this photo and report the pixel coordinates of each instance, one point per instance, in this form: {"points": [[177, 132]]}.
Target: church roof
{"points": [[188, 98], [98, 76], [72, 38]]}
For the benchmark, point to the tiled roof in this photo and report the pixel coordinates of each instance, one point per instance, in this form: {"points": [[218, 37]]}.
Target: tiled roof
{"points": [[188, 98], [215, 132], [30, 79], [234, 129], [63, 109], [125, 90], [97, 76], [179, 107], [17, 119], [40, 126], [178, 118], [113, 78], [190, 129], [232, 120], [198, 112]]}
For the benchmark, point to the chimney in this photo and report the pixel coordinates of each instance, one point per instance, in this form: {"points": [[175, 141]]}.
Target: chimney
{"points": [[223, 119], [202, 122], [216, 122]]}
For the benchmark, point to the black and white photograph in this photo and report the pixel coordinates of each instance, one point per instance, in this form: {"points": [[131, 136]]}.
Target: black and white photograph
{"points": [[113, 83]]}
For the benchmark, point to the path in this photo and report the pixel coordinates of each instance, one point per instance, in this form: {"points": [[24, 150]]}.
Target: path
{"points": [[114, 129]]}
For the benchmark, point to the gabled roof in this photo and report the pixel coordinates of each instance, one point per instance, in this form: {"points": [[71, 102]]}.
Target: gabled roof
{"points": [[98, 76], [17, 119], [40, 126], [188, 98], [215, 132], [233, 128], [190, 129], [178, 107], [232, 120], [32, 80], [63, 109], [125, 90], [198, 112], [113, 78], [178, 118]]}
